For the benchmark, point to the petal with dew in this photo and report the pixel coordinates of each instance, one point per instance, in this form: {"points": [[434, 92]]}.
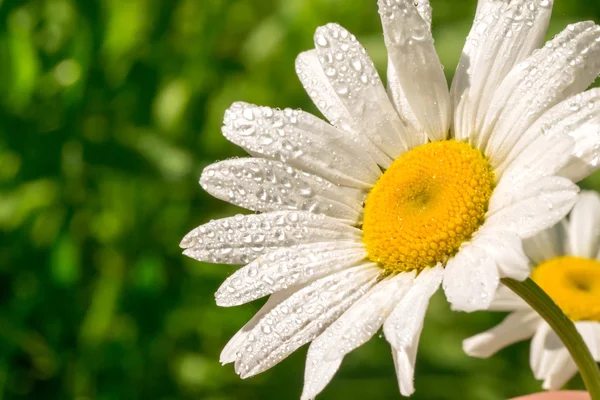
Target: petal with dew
{"points": [[367, 315], [537, 207], [578, 117], [228, 354], [506, 249], [566, 65], [545, 156], [355, 327], [354, 78], [302, 141], [503, 34], [470, 280], [264, 185], [319, 371], [416, 65], [243, 238], [406, 320], [288, 267], [319, 87], [302, 317]]}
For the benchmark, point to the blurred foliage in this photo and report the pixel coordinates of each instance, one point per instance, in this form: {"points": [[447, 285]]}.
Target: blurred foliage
{"points": [[109, 110]]}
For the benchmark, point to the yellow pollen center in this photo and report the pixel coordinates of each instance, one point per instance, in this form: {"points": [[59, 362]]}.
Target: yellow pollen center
{"points": [[429, 201], [574, 285]]}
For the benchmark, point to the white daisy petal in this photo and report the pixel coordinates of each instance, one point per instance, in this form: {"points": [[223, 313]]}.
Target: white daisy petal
{"points": [[506, 249], [584, 226], [506, 300], [354, 78], [541, 206], [503, 34], [564, 369], [578, 117], [264, 185], [547, 244], [470, 279], [319, 371], [366, 316], [406, 320], [319, 88], [566, 65], [590, 332], [400, 102], [394, 87], [403, 327], [481, 5], [302, 141], [302, 317], [545, 344], [352, 329], [317, 85], [243, 238], [416, 65], [516, 327], [287, 267], [537, 349], [404, 363], [545, 156], [228, 354]]}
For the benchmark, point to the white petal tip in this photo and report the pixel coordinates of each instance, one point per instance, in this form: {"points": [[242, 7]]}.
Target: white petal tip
{"points": [[224, 360], [186, 242], [189, 253], [475, 347]]}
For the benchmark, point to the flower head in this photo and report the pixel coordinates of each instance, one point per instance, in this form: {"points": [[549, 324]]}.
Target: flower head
{"points": [[566, 265], [363, 218]]}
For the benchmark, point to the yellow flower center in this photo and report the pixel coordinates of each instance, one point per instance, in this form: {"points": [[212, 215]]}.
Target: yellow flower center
{"points": [[574, 285], [429, 201]]}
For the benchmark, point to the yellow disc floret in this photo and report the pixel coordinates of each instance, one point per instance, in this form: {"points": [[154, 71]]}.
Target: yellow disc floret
{"points": [[574, 285], [428, 202]]}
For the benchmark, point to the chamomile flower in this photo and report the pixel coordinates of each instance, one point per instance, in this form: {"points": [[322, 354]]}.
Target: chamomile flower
{"points": [[566, 264], [362, 219]]}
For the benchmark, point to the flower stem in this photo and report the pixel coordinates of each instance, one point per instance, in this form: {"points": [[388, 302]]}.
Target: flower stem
{"points": [[538, 299]]}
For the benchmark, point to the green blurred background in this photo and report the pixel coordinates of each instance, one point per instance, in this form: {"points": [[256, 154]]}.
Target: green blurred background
{"points": [[109, 110]]}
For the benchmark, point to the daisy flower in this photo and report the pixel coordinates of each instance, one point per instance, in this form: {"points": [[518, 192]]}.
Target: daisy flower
{"points": [[361, 219], [566, 261]]}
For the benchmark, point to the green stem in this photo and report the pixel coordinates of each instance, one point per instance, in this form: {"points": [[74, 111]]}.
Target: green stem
{"points": [[564, 328]]}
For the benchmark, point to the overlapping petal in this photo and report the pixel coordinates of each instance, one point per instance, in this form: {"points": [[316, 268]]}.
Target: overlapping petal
{"points": [[566, 65], [584, 226], [516, 326], [503, 34], [578, 117], [415, 67], [288, 267], [538, 207], [471, 278], [243, 238], [301, 318], [354, 78], [264, 185], [302, 141], [352, 329]]}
